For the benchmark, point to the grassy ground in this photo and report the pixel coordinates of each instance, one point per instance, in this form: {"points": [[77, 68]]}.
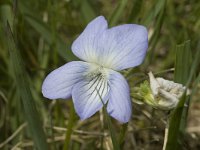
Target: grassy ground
{"points": [[42, 33]]}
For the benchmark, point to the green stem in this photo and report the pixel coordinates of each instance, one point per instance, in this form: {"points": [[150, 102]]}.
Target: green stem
{"points": [[111, 129], [70, 125], [122, 134]]}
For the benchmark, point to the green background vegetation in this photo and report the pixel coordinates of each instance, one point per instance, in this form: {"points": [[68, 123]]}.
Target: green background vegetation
{"points": [[35, 38]]}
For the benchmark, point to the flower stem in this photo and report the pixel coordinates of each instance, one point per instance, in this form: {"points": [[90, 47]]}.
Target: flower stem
{"points": [[111, 129], [122, 134]]}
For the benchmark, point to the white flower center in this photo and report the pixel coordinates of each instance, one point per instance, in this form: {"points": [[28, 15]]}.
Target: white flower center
{"points": [[97, 71], [97, 80]]}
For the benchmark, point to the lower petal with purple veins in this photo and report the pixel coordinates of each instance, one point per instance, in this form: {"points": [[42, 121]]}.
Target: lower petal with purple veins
{"points": [[89, 95]]}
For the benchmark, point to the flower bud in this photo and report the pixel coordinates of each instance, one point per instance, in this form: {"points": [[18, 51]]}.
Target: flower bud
{"points": [[158, 93]]}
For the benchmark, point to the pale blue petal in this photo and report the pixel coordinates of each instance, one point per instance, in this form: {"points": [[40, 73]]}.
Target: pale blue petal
{"points": [[86, 99], [117, 48], [59, 83], [119, 103], [84, 46], [122, 47]]}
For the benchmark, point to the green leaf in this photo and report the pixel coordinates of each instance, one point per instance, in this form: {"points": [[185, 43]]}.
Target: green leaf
{"points": [[182, 62], [175, 134], [177, 121], [195, 64], [31, 114]]}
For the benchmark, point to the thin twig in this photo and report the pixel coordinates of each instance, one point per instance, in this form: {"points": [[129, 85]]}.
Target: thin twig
{"points": [[49, 140], [21, 127], [165, 139], [16, 146], [81, 131]]}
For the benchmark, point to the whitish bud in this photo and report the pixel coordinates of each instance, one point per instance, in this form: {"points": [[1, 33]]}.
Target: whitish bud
{"points": [[158, 92]]}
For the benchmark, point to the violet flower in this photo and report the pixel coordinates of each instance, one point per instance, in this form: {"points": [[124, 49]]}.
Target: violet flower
{"points": [[96, 79]]}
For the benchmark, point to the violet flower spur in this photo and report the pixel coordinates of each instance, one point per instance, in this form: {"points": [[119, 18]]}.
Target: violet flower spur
{"points": [[96, 79]]}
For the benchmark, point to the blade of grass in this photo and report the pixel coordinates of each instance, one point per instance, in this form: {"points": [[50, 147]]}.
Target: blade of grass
{"points": [[195, 87], [175, 136], [72, 119], [182, 63], [6, 14], [122, 134], [182, 119], [117, 12], [177, 121], [45, 31], [87, 11], [31, 113], [154, 39], [195, 64], [157, 8], [137, 6]]}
